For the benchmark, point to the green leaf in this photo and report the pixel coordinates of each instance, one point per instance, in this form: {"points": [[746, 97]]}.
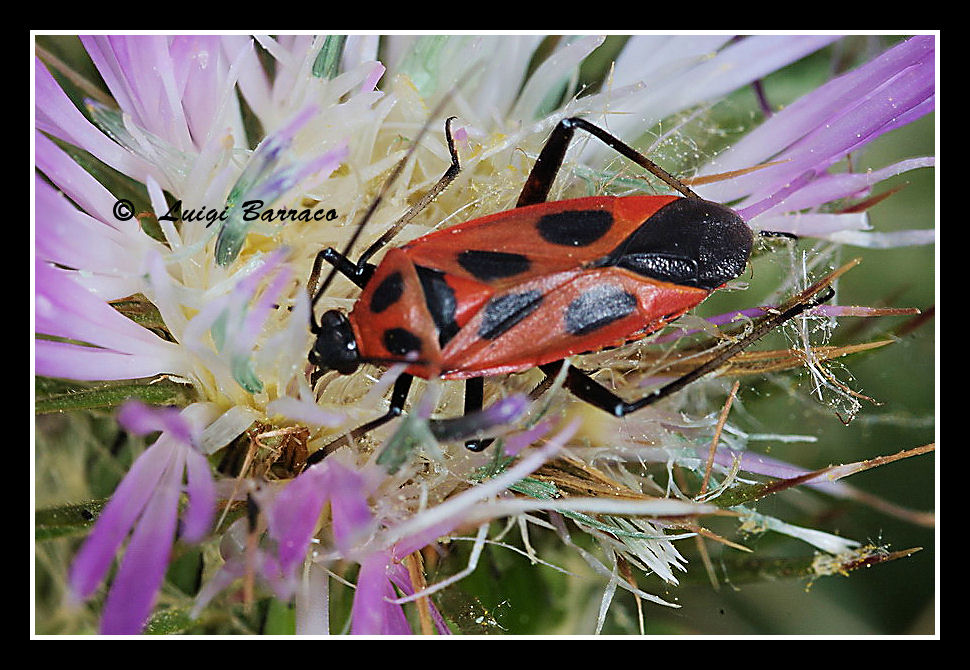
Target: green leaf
{"points": [[280, 619], [410, 435], [54, 522], [422, 62], [67, 397], [141, 311], [169, 621], [327, 63]]}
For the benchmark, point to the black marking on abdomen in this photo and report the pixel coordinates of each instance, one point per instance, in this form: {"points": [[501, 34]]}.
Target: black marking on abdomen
{"points": [[598, 307], [440, 299], [489, 265], [504, 311], [388, 292], [575, 228]]}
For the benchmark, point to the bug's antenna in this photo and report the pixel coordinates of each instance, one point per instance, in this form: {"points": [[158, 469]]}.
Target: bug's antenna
{"points": [[418, 207], [385, 187]]}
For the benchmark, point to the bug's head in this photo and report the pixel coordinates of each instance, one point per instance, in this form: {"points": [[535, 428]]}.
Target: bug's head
{"points": [[335, 347]]}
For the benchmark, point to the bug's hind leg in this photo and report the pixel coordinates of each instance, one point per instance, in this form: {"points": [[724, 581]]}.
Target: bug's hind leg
{"points": [[587, 389], [474, 400], [399, 397], [550, 160]]}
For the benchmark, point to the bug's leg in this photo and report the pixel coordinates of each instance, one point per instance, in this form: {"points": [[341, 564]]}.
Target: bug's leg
{"points": [[586, 389], [343, 265], [474, 400], [550, 159], [399, 397], [449, 176], [591, 391], [359, 275]]}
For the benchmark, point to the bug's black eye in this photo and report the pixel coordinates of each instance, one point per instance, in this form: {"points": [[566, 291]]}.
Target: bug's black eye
{"points": [[336, 347], [690, 241]]}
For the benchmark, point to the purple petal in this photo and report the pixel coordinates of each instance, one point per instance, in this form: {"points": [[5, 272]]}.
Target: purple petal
{"points": [[77, 183], [139, 72], [59, 227], [348, 504], [516, 443], [819, 128], [56, 115], [128, 501], [831, 187], [401, 578], [370, 83], [68, 361], [256, 317], [65, 309], [804, 115], [778, 197], [498, 414], [772, 467], [372, 614], [295, 512], [133, 591], [706, 78], [197, 519], [141, 419], [203, 73]]}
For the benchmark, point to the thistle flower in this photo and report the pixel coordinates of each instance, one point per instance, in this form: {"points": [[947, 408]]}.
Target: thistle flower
{"points": [[244, 171]]}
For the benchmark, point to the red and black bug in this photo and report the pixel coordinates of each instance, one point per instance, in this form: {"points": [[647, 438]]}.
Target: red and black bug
{"points": [[533, 285]]}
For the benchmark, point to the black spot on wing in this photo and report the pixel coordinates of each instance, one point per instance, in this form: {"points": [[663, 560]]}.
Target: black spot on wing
{"points": [[489, 265], [401, 342], [575, 228], [388, 292], [598, 307], [675, 269], [690, 241], [504, 311], [440, 299]]}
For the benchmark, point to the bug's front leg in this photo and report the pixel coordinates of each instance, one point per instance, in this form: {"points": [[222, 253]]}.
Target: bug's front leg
{"points": [[399, 397], [359, 275]]}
